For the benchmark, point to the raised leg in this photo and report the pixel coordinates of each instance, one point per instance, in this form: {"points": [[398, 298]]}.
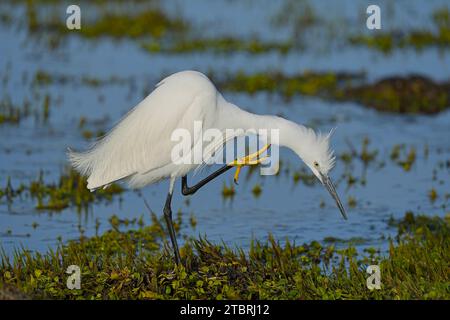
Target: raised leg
{"points": [[186, 190], [168, 217], [251, 159]]}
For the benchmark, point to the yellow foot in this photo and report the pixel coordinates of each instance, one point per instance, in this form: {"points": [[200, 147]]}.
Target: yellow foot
{"points": [[249, 160]]}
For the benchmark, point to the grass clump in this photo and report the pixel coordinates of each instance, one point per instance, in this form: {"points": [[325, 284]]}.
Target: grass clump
{"points": [[137, 264]]}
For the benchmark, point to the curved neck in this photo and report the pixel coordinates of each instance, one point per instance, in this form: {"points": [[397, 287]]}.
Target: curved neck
{"points": [[290, 133]]}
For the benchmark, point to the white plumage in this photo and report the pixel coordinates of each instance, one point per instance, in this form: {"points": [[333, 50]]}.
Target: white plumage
{"points": [[138, 148]]}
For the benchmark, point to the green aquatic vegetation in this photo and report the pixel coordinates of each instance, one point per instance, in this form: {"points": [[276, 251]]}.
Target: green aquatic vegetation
{"points": [[32, 17], [303, 175], [365, 155], [224, 45], [306, 83], [146, 22], [88, 134], [382, 42], [228, 191], [46, 108], [152, 28], [256, 190], [351, 201], [350, 179], [136, 264], [193, 221], [116, 222], [321, 204], [386, 42], [346, 157], [408, 158], [69, 191], [413, 94], [353, 241], [298, 16], [441, 17], [151, 23], [43, 78], [432, 194], [12, 113], [409, 94], [395, 152], [412, 225], [5, 18], [9, 193]]}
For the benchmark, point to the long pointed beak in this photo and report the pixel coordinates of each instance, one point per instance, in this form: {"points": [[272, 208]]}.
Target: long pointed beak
{"points": [[326, 181]]}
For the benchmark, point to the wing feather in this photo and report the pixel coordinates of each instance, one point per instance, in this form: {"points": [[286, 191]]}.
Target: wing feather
{"points": [[141, 142]]}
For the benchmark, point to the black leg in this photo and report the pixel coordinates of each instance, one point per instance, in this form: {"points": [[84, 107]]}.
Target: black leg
{"points": [[186, 190], [168, 217]]}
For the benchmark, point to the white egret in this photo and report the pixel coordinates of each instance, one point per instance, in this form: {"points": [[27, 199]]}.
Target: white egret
{"points": [[138, 149]]}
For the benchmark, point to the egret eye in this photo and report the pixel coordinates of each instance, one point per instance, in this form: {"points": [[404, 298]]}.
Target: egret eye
{"points": [[316, 164]]}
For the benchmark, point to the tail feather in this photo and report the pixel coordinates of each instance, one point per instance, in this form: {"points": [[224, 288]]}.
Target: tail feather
{"points": [[83, 163], [86, 163], [80, 161]]}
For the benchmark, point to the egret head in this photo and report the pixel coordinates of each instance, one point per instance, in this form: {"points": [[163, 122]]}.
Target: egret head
{"points": [[319, 157]]}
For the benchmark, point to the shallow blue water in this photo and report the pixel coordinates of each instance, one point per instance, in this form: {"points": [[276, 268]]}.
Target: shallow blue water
{"points": [[284, 208]]}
